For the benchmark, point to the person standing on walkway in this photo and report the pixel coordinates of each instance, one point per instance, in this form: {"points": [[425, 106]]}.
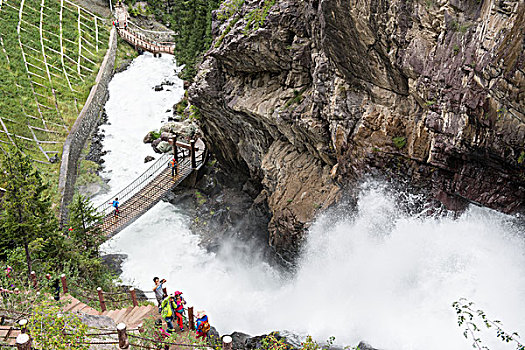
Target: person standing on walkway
{"points": [[168, 311], [202, 326], [179, 312], [159, 291]]}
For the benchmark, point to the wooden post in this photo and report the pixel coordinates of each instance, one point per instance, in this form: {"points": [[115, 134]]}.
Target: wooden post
{"points": [[64, 283], [23, 325], [190, 318], [174, 145], [33, 279], [101, 299], [227, 342], [123, 343], [23, 342], [193, 162], [133, 296]]}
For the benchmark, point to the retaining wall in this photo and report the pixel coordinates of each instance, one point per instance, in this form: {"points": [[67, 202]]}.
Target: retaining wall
{"points": [[84, 125]]}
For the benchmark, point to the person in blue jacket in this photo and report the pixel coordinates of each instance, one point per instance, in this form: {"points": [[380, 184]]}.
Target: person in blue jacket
{"points": [[202, 326]]}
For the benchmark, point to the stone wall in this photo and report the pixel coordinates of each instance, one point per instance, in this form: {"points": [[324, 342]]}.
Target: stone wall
{"points": [[84, 126]]}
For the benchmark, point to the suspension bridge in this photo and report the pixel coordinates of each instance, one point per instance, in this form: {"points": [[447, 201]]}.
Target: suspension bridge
{"points": [[156, 42], [151, 186]]}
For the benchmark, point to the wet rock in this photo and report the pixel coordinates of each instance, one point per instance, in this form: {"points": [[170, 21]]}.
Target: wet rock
{"points": [[365, 346], [158, 88], [148, 159], [165, 136], [114, 262], [164, 147], [325, 94], [238, 340], [155, 144], [149, 138]]}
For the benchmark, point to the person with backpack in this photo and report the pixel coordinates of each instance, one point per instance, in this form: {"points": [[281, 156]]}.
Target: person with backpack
{"points": [[202, 326], [174, 167], [115, 205], [179, 312], [168, 311]]}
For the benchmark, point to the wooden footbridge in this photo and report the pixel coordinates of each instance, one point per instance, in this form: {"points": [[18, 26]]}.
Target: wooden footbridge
{"points": [[150, 187], [142, 39]]}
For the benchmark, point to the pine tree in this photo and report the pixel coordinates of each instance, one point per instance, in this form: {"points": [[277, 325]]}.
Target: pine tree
{"points": [[26, 209], [84, 226]]}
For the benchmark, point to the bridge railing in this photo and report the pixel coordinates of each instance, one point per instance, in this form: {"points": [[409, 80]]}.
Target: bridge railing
{"points": [[137, 184]]}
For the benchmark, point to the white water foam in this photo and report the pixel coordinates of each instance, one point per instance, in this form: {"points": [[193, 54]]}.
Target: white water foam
{"points": [[133, 109], [377, 274]]}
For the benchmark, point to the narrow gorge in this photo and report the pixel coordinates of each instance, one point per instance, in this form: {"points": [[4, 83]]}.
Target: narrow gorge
{"points": [[327, 93]]}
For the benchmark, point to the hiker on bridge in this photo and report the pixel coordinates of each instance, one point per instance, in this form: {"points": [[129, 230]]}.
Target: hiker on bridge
{"points": [[174, 167], [168, 311], [179, 312], [159, 291], [115, 205]]}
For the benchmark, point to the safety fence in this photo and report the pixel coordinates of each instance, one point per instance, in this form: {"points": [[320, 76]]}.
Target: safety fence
{"points": [[121, 336]]}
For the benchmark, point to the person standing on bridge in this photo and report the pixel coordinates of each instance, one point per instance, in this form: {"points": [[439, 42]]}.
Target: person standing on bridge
{"points": [[174, 167], [115, 205]]}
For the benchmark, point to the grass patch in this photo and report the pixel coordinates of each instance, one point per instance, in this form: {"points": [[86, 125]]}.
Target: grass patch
{"points": [[41, 99], [399, 141]]}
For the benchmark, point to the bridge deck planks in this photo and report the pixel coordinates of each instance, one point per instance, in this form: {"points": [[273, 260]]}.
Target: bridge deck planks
{"points": [[148, 196]]}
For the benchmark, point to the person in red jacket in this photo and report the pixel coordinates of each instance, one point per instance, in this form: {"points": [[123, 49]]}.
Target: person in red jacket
{"points": [[179, 312]]}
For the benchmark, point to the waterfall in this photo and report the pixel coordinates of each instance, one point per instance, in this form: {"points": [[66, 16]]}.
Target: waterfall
{"points": [[375, 273]]}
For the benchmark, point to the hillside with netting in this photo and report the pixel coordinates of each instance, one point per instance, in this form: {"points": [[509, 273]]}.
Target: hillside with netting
{"points": [[50, 52]]}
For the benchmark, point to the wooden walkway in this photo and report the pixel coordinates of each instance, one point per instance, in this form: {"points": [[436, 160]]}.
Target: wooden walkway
{"points": [[149, 188], [137, 39], [132, 316]]}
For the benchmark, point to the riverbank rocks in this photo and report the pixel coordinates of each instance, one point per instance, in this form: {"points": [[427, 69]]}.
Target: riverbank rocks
{"points": [[326, 93], [149, 138]]}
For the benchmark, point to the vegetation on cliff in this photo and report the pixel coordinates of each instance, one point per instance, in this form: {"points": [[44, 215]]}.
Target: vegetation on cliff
{"points": [[192, 21], [30, 239]]}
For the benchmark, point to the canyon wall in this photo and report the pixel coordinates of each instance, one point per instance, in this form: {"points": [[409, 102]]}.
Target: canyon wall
{"points": [[315, 95]]}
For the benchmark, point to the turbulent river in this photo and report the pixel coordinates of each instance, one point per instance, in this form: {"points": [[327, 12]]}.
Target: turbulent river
{"points": [[376, 274]]}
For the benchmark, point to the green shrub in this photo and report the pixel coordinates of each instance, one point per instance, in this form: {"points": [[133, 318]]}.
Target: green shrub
{"points": [[399, 141]]}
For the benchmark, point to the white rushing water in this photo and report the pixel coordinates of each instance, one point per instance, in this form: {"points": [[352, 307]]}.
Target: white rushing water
{"points": [[377, 275]]}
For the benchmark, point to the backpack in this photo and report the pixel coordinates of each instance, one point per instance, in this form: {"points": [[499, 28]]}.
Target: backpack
{"points": [[205, 327]]}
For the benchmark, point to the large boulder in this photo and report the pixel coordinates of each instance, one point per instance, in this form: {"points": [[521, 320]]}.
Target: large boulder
{"points": [[164, 147]]}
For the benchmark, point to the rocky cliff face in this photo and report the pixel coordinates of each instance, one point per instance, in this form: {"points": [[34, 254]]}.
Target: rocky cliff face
{"points": [[328, 91]]}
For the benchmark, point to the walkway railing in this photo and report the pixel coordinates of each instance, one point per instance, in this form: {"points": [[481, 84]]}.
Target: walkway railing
{"points": [[18, 335], [138, 184], [136, 37], [150, 187]]}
